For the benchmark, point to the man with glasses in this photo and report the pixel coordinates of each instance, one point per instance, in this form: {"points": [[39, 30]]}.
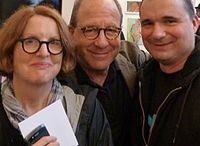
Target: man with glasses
{"points": [[94, 28]]}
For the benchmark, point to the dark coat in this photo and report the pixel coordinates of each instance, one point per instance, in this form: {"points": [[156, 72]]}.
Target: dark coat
{"points": [[92, 128], [178, 116], [128, 60]]}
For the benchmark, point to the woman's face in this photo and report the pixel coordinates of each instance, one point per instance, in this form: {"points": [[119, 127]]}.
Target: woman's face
{"points": [[40, 67]]}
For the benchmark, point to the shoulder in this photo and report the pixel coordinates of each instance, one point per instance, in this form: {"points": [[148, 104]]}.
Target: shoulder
{"points": [[87, 116], [78, 99], [93, 127], [133, 53], [70, 80], [73, 105]]}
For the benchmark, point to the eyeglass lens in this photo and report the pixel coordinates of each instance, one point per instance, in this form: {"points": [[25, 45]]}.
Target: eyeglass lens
{"points": [[32, 45], [93, 32]]}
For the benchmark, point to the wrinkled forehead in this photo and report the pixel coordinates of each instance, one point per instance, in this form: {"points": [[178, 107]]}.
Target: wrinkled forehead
{"points": [[98, 9], [94, 6]]}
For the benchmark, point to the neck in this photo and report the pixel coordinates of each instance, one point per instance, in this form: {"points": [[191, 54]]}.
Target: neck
{"points": [[97, 77], [33, 98], [173, 67], [177, 65]]}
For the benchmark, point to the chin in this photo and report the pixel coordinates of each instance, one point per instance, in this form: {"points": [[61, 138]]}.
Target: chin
{"points": [[100, 68], [42, 80]]}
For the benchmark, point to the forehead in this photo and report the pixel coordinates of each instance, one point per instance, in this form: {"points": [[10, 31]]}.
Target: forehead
{"points": [[161, 8], [40, 19], [94, 10], [37, 24]]}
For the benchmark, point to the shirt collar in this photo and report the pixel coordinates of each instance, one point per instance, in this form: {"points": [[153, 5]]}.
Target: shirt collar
{"points": [[83, 78]]}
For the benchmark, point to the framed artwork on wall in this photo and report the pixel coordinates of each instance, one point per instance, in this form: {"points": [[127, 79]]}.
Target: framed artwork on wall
{"points": [[132, 26], [133, 29], [132, 6], [8, 7]]}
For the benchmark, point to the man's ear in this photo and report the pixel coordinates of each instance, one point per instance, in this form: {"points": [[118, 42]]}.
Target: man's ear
{"points": [[71, 29], [195, 23]]}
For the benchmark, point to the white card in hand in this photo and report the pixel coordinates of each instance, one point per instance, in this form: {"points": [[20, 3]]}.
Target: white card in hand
{"points": [[56, 122]]}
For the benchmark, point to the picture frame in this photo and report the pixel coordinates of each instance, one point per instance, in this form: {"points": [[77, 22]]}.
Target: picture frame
{"points": [[131, 11], [131, 22], [132, 6], [134, 30]]}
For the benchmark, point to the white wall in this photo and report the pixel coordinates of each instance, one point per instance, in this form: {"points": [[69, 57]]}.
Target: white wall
{"points": [[66, 9], [196, 2]]}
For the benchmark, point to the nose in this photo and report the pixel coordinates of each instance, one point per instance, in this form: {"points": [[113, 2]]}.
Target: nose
{"points": [[43, 50], [158, 31], [101, 41]]}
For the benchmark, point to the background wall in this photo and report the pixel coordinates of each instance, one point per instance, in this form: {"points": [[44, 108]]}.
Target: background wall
{"points": [[66, 9], [196, 2]]}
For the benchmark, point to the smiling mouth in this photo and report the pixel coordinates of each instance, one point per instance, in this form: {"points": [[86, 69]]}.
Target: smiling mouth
{"points": [[99, 53], [102, 53], [160, 43], [99, 56], [41, 65], [163, 44]]}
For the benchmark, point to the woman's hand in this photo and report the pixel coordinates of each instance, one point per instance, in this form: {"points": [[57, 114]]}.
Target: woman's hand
{"points": [[47, 141]]}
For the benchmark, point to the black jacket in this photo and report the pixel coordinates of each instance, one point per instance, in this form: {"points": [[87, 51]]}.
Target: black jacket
{"points": [[128, 60], [178, 116]]}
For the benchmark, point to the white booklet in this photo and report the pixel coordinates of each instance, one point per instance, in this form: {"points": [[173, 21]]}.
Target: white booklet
{"points": [[56, 122]]}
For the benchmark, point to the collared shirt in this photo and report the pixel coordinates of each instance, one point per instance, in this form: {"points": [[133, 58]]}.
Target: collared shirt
{"points": [[116, 101]]}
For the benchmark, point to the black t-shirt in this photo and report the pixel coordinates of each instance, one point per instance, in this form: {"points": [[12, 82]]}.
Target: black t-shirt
{"points": [[163, 84], [116, 101]]}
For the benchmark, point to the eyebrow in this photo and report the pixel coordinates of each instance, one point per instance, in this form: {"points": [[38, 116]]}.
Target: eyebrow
{"points": [[163, 18], [169, 17]]}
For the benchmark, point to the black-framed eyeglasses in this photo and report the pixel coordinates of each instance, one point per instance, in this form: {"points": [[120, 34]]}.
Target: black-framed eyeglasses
{"points": [[32, 45], [92, 32]]}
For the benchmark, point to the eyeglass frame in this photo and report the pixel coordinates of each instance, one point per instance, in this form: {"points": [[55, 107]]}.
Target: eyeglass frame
{"points": [[99, 30], [40, 44]]}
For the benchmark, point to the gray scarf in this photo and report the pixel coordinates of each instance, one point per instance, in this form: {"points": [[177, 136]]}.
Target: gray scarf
{"points": [[14, 109]]}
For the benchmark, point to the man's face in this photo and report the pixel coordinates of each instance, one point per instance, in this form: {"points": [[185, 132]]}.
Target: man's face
{"points": [[96, 55], [167, 30]]}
